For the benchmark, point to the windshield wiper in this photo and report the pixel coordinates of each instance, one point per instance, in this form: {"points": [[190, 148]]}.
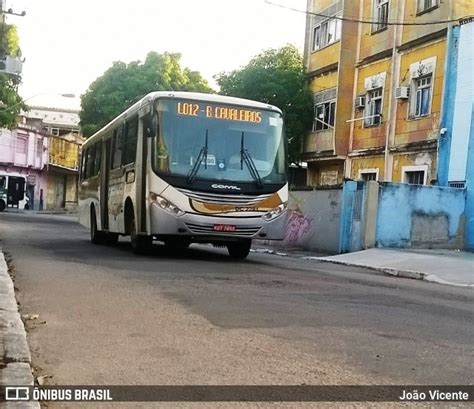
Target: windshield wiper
{"points": [[245, 157], [202, 155]]}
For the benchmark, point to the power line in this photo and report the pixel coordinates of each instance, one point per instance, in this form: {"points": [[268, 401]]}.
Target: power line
{"points": [[363, 21]]}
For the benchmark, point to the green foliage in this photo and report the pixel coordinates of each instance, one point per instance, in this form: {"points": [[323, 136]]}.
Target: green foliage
{"points": [[276, 77], [11, 44], [124, 84], [12, 103]]}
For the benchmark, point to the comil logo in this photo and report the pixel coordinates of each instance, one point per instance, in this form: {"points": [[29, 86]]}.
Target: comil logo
{"points": [[17, 393], [227, 187]]}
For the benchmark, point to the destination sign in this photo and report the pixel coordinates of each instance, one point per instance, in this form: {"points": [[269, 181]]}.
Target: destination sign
{"points": [[218, 112]]}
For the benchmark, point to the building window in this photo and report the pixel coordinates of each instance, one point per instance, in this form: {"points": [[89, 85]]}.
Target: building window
{"points": [[324, 116], [426, 5], [458, 184], [21, 145], [54, 131], [326, 33], [373, 111], [421, 97], [369, 174], [415, 175], [380, 15]]}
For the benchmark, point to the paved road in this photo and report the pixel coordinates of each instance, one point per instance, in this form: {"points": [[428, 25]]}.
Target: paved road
{"points": [[117, 318]]}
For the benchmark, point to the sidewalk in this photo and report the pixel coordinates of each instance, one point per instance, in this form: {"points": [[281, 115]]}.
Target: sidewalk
{"points": [[15, 358], [440, 266]]}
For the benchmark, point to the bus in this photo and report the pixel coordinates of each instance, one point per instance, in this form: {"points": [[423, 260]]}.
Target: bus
{"points": [[12, 191], [185, 168]]}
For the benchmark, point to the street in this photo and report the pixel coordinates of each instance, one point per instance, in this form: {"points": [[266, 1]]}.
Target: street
{"points": [[107, 316]]}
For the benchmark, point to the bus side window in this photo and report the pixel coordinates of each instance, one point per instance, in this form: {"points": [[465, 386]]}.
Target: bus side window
{"points": [[117, 148], [83, 161], [90, 161], [98, 156], [85, 154], [130, 142], [2, 182]]}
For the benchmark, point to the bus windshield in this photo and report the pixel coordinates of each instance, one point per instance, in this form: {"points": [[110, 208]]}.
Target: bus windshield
{"points": [[214, 141]]}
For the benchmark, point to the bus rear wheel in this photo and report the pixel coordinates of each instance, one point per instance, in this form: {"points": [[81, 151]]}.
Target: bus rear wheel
{"points": [[97, 237], [2, 205], [239, 250]]}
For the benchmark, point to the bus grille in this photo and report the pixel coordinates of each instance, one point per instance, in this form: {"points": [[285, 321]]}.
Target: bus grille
{"points": [[209, 229], [232, 200]]}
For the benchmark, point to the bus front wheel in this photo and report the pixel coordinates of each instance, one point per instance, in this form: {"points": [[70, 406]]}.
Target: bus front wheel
{"points": [[239, 250], [140, 244], [177, 244], [2, 205]]}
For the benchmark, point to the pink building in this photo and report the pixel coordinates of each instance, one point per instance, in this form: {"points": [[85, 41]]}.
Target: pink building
{"points": [[24, 152]]}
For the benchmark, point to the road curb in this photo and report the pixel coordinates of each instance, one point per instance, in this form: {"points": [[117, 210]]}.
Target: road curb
{"points": [[14, 350], [415, 275]]}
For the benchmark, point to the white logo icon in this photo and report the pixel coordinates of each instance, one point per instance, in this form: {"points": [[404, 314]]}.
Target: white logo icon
{"points": [[17, 393]]}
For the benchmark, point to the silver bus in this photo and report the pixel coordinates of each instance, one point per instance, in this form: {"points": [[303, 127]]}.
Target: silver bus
{"points": [[187, 168]]}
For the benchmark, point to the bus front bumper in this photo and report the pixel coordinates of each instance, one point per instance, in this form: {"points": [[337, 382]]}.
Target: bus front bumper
{"points": [[214, 228]]}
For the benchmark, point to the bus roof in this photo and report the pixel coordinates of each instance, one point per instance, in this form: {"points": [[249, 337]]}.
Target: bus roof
{"points": [[197, 96]]}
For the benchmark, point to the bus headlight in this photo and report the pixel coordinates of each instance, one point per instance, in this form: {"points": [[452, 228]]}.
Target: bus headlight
{"points": [[275, 212], [166, 205]]}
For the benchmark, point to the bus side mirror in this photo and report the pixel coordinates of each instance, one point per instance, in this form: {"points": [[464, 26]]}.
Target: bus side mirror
{"points": [[150, 125]]}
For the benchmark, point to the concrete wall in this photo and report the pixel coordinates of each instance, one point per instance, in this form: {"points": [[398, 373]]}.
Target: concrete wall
{"points": [[420, 216], [313, 222]]}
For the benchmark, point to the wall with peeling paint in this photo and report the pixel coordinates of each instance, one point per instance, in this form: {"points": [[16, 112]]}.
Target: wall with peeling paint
{"points": [[313, 221], [420, 216]]}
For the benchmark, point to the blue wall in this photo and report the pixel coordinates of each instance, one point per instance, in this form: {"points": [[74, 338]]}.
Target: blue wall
{"points": [[469, 230], [345, 232], [444, 142], [399, 204]]}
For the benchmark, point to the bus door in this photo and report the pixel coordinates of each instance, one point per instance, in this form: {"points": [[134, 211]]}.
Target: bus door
{"points": [[104, 183], [16, 190]]}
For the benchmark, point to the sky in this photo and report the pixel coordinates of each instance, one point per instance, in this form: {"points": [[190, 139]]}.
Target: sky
{"points": [[67, 44]]}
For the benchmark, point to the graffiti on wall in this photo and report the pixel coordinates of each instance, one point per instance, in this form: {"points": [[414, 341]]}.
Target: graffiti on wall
{"points": [[298, 225]]}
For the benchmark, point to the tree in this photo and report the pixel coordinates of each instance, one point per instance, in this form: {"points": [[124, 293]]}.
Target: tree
{"points": [[11, 102], [124, 84], [276, 77]]}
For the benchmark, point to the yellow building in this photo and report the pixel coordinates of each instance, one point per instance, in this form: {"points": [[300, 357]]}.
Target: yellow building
{"points": [[63, 168], [377, 88]]}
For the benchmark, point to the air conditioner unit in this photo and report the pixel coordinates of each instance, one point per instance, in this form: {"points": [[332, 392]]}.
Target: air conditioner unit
{"points": [[402, 92], [10, 65], [359, 102]]}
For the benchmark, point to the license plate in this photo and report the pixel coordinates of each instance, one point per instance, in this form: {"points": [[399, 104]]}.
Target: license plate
{"points": [[224, 227]]}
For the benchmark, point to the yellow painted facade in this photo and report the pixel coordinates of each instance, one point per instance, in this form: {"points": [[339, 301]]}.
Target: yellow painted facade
{"points": [[370, 57], [416, 159], [63, 153], [331, 69], [374, 163], [427, 127], [63, 166], [365, 137]]}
